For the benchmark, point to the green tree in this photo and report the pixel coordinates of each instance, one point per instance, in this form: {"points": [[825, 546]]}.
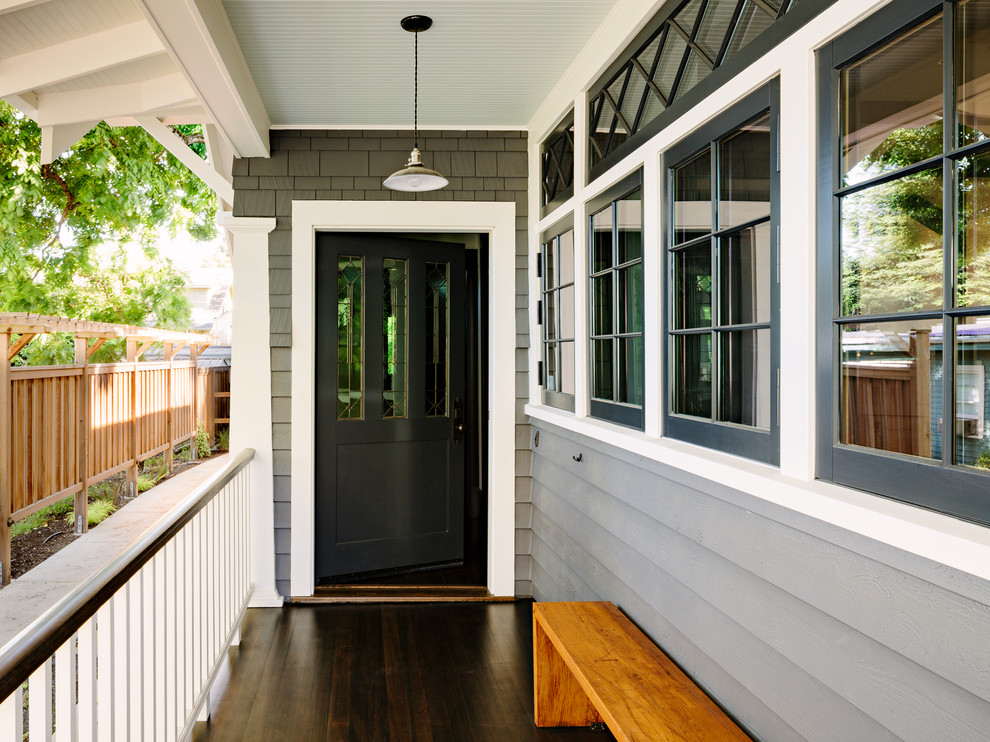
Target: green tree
{"points": [[62, 227]]}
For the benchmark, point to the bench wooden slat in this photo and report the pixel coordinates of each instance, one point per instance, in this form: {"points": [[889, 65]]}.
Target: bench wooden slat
{"points": [[591, 663]]}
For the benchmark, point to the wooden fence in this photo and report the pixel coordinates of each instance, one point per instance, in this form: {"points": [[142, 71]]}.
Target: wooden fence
{"points": [[65, 428]]}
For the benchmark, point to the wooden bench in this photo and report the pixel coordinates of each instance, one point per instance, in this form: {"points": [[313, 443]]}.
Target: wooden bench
{"points": [[592, 665]]}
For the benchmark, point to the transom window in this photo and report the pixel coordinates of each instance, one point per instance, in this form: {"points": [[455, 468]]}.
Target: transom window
{"points": [[557, 166], [616, 303], [557, 314], [673, 56], [905, 277], [721, 256]]}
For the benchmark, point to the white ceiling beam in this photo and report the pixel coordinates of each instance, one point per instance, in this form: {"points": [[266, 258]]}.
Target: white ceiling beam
{"points": [[200, 167], [26, 103], [56, 139], [148, 97], [9, 6], [221, 157], [182, 115], [78, 57], [198, 36]]}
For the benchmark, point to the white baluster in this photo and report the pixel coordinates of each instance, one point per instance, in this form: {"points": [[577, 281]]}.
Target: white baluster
{"points": [[106, 668], [65, 692], [88, 682], [149, 644], [40, 703], [135, 615], [121, 689], [12, 717], [171, 656]]}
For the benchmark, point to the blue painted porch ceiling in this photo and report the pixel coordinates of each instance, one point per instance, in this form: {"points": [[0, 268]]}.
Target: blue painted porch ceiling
{"points": [[485, 63]]}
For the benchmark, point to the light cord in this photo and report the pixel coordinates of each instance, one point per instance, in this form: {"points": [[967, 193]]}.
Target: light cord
{"points": [[416, 94]]}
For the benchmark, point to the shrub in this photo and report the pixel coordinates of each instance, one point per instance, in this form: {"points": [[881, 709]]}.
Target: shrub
{"points": [[97, 512], [223, 439], [53, 512], [202, 441]]}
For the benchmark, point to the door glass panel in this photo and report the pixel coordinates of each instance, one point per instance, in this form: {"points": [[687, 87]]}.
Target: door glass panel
{"points": [[550, 314], [745, 276], [891, 105], [972, 375], [437, 351], [550, 263], [891, 246], [693, 198], [973, 70], [973, 278], [889, 373], [394, 336], [744, 381], [553, 372], [693, 375], [566, 312], [350, 358]]}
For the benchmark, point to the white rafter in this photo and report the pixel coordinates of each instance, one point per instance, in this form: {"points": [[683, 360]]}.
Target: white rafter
{"points": [[151, 96], [202, 44], [77, 58], [8, 6], [200, 167]]}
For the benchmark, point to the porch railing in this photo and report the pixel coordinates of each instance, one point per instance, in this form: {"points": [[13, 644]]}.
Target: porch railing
{"points": [[132, 653]]}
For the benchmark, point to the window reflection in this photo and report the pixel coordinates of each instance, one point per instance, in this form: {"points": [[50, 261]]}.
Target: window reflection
{"points": [[745, 159], [973, 284], [972, 374], [891, 246], [892, 105], [693, 372], [890, 372], [745, 284], [973, 71], [693, 198], [744, 360]]}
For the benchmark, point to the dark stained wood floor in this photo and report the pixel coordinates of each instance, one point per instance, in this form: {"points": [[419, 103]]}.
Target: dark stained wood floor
{"points": [[383, 673]]}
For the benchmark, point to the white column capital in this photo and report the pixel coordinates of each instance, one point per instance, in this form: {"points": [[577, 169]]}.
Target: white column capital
{"points": [[246, 224]]}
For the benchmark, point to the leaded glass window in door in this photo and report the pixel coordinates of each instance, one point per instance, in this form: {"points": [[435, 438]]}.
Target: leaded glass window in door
{"points": [[350, 358]]}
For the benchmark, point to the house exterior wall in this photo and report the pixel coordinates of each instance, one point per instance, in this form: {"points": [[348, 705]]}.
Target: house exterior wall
{"points": [[350, 166], [810, 611]]}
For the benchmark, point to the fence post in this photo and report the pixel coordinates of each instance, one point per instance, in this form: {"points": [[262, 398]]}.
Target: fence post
{"points": [[132, 470], [194, 358], [169, 430], [6, 480], [80, 509]]}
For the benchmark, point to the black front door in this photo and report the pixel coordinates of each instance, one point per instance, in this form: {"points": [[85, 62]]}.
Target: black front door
{"points": [[390, 390]]}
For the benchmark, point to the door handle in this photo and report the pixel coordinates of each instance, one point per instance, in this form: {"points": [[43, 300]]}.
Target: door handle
{"points": [[458, 421]]}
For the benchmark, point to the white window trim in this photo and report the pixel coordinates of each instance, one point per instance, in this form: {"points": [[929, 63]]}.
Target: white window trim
{"points": [[494, 219]]}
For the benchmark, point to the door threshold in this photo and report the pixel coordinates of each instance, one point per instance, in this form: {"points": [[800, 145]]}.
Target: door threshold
{"points": [[401, 594]]}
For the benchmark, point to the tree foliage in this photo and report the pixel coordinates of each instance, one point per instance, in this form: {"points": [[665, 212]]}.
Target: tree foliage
{"points": [[63, 227]]}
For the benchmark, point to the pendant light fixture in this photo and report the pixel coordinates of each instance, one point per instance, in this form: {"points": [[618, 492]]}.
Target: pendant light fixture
{"points": [[415, 176]]}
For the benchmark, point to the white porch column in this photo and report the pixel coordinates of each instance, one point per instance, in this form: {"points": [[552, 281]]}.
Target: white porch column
{"points": [[251, 391]]}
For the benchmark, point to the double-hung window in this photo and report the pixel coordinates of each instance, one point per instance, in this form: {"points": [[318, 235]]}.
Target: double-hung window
{"points": [[721, 319], [904, 245], [557, 314], [615, 260]]}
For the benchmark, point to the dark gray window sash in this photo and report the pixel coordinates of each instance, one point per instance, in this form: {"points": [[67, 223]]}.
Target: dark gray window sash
{"points": [[761, 445], [613, 411], [936, 485], [551, 397]]}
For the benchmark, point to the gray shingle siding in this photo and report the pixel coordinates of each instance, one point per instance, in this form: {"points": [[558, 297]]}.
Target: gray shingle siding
{"points": [[351, 165]]}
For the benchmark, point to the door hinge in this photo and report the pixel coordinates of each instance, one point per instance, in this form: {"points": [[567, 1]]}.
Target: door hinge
{"points": [[539, 266], [539, 312], [539, 372]]}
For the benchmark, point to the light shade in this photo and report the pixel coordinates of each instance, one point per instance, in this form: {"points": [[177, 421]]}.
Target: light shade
{"points": [[415, 176]]}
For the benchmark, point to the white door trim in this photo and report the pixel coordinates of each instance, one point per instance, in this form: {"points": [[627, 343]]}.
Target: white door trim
{"points": [[498, 221]]}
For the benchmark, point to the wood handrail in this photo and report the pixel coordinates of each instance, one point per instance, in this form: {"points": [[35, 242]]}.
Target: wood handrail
{"points": [[39, 640]]}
